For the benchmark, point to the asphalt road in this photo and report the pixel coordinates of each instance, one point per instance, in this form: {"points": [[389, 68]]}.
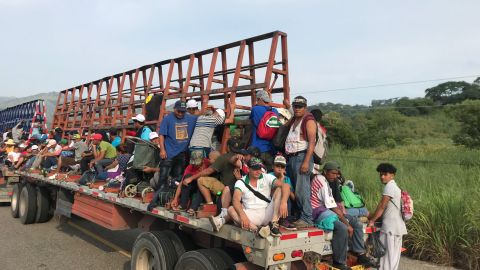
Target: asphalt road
{"points": [[80, 244]]}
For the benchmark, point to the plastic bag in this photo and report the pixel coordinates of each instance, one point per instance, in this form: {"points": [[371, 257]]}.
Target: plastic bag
{"points": [[376, 247]]}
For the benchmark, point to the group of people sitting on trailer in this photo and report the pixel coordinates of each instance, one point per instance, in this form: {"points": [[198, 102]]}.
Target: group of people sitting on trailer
{"points": [[257, 186]]}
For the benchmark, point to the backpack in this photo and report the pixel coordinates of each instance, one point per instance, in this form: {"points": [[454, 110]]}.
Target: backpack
{"points": [[268, 126], [406, 205], [351, 199], [321, 147]]}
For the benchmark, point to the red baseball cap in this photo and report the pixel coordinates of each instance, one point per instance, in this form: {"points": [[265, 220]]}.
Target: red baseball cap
{"points": [[97, 136]]}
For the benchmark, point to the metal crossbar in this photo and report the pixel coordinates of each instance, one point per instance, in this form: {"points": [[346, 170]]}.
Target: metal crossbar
{"points": [[29, 112], [225, 72]]}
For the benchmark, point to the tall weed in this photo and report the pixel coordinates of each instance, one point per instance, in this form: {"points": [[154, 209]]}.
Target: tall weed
{"points": [[444, 182]]}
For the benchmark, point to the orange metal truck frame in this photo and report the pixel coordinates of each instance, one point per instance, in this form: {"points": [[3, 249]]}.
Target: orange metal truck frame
{"points": [[110, 102]]}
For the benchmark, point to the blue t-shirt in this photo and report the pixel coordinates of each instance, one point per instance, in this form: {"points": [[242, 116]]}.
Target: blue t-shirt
{"points": [[255, 116], [287, 181], [177, 133], [117, 141], [146, 134]]}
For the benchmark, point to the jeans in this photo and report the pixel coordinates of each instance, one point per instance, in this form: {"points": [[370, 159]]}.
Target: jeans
{"points": [[341, 237], [357, 212], [84, 162], [101, 164], [301, 182], [267, 159], [49, 162], [173, 167]]}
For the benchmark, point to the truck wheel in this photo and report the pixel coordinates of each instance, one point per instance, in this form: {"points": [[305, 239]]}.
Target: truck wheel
{"points": [[205, 259], [14, 203], [168, 250], [28, 204], [176, 241], [153, 250], [43, 205]]}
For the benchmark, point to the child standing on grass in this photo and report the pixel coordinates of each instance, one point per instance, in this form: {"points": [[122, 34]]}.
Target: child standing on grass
{"points": [[393, 226]]}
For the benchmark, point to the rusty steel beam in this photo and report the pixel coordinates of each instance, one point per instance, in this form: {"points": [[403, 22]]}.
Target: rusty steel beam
{"points": [[195, 75]]}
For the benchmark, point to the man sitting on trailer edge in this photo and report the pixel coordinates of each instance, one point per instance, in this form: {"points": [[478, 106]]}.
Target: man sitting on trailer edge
{"points": [[255, 206], [103, 152], [344, 227]]}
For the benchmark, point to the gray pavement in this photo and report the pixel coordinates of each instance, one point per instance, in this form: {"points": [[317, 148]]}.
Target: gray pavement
{"points": [[58, 245]]}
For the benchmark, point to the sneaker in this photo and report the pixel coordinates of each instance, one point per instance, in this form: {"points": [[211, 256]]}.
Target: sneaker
{"points": [[341, 266], [301, 224], [264, 231], [217, 223], [275, 229], [367, 261], [284, 223]]}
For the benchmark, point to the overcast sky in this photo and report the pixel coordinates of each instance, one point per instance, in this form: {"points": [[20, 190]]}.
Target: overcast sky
{"points": [[52, 45]]}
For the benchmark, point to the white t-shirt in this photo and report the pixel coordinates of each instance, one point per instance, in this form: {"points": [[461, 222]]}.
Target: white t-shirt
{"points": [[13, 157], [392, 221], [264, 186], [321, 193], [57, 149]]}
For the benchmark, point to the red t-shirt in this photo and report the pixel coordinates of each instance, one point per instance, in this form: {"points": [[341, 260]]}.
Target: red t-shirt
{"points": [[191, 170]]}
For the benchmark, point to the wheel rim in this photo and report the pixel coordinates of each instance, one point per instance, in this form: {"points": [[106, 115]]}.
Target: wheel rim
{"points": [[13, 203], [23, 206], [145, 260]]}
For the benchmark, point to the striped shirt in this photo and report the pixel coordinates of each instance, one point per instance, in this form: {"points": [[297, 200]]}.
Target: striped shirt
{"points": [[321, 193], [202, 135]]}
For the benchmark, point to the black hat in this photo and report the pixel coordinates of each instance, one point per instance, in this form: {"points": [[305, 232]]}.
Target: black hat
{"points": [[181, 106], [234, 146], [299, 101], [251, 150]]}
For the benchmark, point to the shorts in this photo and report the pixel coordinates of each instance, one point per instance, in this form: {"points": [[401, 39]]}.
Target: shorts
{"points": [[213, 184], [69, 161], [260, 216]]}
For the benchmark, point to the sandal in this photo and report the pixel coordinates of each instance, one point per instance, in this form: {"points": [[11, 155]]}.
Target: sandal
{"points": [[177, 209], [191, 212]]}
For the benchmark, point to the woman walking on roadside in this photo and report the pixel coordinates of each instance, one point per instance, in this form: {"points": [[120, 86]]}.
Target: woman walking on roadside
{"points": [[388, 209]]}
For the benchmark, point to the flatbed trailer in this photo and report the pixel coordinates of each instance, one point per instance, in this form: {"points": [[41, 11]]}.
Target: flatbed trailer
{"points": [[230, 73], [110, 210], [8, 179]]}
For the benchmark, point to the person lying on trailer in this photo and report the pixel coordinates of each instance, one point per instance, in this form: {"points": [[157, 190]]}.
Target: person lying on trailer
{"points": [[259, 200], [219, 178], [328, 216], [104, 154]]}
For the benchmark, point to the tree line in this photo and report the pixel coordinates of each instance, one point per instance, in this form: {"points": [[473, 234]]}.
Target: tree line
{"points": [[448, 110]]}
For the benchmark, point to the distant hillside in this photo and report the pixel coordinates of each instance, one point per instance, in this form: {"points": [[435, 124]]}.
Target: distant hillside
{"points": [[50, 102]]}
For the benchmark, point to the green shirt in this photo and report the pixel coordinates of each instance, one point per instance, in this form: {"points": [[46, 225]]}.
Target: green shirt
{"points": [[110, 150]]}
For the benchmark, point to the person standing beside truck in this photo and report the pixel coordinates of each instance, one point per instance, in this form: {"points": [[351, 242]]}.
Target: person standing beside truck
{"points": [[393, 225], [299, 147], [175, 133]]}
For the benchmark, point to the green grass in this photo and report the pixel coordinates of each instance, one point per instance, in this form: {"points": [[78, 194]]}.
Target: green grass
{"points": [[444, 182]]}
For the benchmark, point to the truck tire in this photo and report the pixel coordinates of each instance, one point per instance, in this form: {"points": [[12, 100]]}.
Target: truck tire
{"points": [[153, 250], [176, 241], [205, 259], [28, 204], [15, 200], [168, 250], [43, 205]]}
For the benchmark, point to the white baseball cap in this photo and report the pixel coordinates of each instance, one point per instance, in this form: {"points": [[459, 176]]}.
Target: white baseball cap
{"points": [[140, 118], [221, 113], [51, 142], [192, 103], [153, 135], [34, 147], [22, 145]]}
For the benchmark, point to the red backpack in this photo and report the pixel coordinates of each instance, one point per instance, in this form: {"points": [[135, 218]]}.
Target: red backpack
{"points": [[268, 126]]}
